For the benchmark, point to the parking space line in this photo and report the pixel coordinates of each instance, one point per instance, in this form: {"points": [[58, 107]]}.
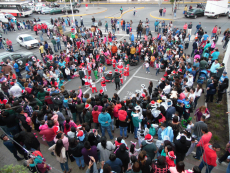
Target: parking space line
{"points": [[129, 80], [144, 78]]}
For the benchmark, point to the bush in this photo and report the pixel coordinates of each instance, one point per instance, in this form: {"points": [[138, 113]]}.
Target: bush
{"points": [[14, 169]]}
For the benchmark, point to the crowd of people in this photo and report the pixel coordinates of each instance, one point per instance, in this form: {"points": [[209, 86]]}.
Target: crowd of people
{"points": [[73, 124]]}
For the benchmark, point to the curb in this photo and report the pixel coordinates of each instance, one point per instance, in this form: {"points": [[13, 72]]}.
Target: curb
{"points": [[126, 12], [136, 3], [159, 18], [86, 14]]}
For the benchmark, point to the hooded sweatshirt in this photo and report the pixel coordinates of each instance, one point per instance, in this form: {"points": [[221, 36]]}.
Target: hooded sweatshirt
{"points": [[103, 118], [95, 115]]}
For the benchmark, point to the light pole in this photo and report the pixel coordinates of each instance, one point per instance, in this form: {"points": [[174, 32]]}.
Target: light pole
{"points": [[72, 12]]}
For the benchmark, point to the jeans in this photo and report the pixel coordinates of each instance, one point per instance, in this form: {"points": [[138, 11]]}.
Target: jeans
{"points": [[123, 129], [163, 14], [113, 31], [59, 45], [5, 31], [1, 46], [228, 168], [174, 14], [80, 161], [139, 33], [41, 38], [112, 124], [5, 130], [64, 166], [65, 43], [157, 71], [103, 128], [18, 74], [147, 69], [208, 167], [50, 143], [195, 101], [159, 30], [15, 153], [79, 114], [11, 47], [13, 130], [135, 131], [213, 35], [156, 28], [106, 29], [199, 152], [55, 47], [74, 117], [127, 31]]}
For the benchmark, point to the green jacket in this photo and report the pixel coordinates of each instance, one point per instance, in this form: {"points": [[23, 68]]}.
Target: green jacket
{"points": [[88, 116], [41, 96], [53, 41], [117, 77], [81, 74], [136, 120]]}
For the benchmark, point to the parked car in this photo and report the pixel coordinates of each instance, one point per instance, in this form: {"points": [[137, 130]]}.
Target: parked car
{"points": [[56, 11], [27, 41], [9, 16], [75, 4], [19, 57], [68, 10], [52, 5], [194, 12], [38, 9], [45, 10]]}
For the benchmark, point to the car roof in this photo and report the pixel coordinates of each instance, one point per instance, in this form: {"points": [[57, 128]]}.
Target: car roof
{"points": [[5, 54], [24, 35]]}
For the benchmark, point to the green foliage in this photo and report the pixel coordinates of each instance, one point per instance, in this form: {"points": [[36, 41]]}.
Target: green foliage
{"points": [[216, 126], [172, 1], [14, 169], [216, 138], [51, 0], [217, 115]]}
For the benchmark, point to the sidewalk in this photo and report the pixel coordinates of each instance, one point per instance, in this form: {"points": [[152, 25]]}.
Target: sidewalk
{"points": [[169, 14], [90, 11]]}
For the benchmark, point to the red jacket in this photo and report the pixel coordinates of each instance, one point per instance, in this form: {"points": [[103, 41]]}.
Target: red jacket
{"points": [[209, 155], [214, 30], [122, 114], [48, 133], [204, 139], [35, 28], [115, 111], [95, 115], [48, 100]]}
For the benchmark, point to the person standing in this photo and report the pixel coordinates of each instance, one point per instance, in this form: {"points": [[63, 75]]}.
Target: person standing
{"points": [[190, 28], [16, 68], [60, 153], [81, 19], [89, 150], [105, 119], [9, 44], [106, 26], [181, 146], [53, 41], [116, 78], [58, 41], [209, 157], [160, 11], [205, 139], [105, 147], [214, 31], [10, 146], [121, 10], [174, 11], [149, 146]]}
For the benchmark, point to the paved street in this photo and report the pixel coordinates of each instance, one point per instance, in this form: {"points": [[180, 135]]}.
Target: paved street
{"points": [[137, 76]]}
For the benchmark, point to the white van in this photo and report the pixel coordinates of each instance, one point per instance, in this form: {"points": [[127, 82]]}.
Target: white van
{"points": [[3, 18], [216, 8]]}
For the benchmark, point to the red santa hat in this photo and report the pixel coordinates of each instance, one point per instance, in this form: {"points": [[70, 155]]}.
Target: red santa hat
{"points": [[120, 71], [127, 65], [110, 72], [101, 91], [27, 64], [103, 78], [152, 102], [80, 133], [79, 126], [38, 60], [87, 106], [173, 72], [148, 137], [23, 91], [75, 60], [89, 77], [142, 95], [56, 129], [180, 70], [171, 155], [163, 79], [82, 64], [11, 83], [85, 76], [49, 89], [116, 70]]}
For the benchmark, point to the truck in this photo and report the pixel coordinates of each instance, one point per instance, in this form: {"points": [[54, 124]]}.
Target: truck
{"points": [[216, 8]]}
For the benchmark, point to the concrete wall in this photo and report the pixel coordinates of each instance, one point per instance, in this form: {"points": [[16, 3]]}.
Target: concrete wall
{"points": [[227, 69]]}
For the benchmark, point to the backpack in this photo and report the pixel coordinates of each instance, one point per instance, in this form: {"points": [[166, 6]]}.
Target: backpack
{"points": [[152, 131]]}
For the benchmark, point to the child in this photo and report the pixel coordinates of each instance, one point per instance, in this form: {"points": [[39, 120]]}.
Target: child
{"points": [[157, 66], [125, 73], [93, 87], [146, 64], [86, 81], [114, 62], [170, 157], [43, 126], [103, 84], [133, 150], [121, 78], [61, 82], [189, 126], [95, 73], [89, 69], [100, 71]]}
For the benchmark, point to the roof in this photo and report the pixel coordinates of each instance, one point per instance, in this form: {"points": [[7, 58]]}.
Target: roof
{"points": [[24, 35], [13, 2]]}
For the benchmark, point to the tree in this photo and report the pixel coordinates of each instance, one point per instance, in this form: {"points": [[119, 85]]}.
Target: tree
{"points": [[14, 169], [172, 2]]}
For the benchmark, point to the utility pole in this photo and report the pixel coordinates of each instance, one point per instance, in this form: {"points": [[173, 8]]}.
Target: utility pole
{"points": [[72, 12]]}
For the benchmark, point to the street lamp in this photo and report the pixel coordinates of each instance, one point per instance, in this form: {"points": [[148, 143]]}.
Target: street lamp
{"points": [[72, 12]]}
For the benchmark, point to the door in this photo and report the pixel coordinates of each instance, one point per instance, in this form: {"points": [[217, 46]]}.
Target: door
{"points": [[18, 59], [20, 41]]}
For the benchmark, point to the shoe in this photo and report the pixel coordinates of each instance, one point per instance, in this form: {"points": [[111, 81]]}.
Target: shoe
{"points": [[52, 154], [70, 169], [69, 80], [19, 159], [80, 167], [83, 168], [112, 131], [136, 138], [195, 158], [127, 137]]}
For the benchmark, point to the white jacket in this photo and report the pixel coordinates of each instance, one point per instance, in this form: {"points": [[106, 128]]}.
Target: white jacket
{"points": [[15, 91], [67, 71]]}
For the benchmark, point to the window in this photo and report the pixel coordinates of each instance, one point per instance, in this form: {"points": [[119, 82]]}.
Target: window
{"points": [[6, 58], [16, 56]]}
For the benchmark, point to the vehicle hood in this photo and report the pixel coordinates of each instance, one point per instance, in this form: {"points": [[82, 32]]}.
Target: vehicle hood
{"points": [[31, 41]]}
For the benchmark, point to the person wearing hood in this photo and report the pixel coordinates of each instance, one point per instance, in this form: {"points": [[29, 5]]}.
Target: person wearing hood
{"points": [[89, 150], [170, 111], [105, 119], [123, 155], [123, 118], [222, 89], [165, 133], [182, 146], [136, 119], [75, 148]]}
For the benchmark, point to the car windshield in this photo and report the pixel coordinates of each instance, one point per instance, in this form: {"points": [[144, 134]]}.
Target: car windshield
{"points": [[191, 10], [28, 38]]}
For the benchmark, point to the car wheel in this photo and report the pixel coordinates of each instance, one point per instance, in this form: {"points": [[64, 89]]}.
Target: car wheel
{"points": [[217, 16], [195, 16], [27, 48], [44, 13], [20, 45]]}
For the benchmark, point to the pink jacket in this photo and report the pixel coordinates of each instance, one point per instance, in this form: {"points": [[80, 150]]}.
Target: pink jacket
{"points": [[65, 141], [43, 127]]}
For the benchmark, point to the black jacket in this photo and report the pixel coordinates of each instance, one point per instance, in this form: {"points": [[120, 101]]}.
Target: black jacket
{"points": [[76, 151], [123, 155], [182, 145]]}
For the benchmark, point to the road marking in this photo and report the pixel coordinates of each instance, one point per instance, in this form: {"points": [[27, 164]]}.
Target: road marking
{"points": [[192, 38], [145, 78], [129, 80], [90, 88], [23, 73], [122, 37], [66, 82]]}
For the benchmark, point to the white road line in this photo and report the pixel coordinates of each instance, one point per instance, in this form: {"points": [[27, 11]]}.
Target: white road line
{"points": [[145, 78], [192, 38], [121, 38], [129, 80], [66, 82], [23, 73], [90, 88]]}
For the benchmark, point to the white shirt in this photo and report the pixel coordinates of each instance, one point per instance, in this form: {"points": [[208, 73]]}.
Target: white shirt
{"points": [[167, 89], [146, 65], [191, 95], [190, 81], [93, 84], [67, 71], [16, 91], [198, 93]]}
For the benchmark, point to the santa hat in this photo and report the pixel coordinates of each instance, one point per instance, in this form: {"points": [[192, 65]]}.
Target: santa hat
{"points": [[82, 64], [87, 106], [143, 95], [142, 85], [127, 65], [56, 129], [75, 60], [110, 72], [49, 89], [148, 137], [33, 58], [137, 108], [180, 70], [163, 79], [79, 126], [38, 60], [120, 60], [27, 64], [89, 77], [171, 155], [11, 83], [2, 62], [116, 70], [152, 102], [23, 91], [120, 71], [173, 72], [85, 76], [101, 91], [103, 78], [80, 133]]}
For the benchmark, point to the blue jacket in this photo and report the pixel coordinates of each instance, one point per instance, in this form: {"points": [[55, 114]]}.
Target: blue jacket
{"points": [[103, 118], [215, 55], [132, 37], [198, 26], [10, 146], [171, 110], [214, 67], [156, 23], [127, 26], [212, 89], [222, 78], [27, 68]]}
